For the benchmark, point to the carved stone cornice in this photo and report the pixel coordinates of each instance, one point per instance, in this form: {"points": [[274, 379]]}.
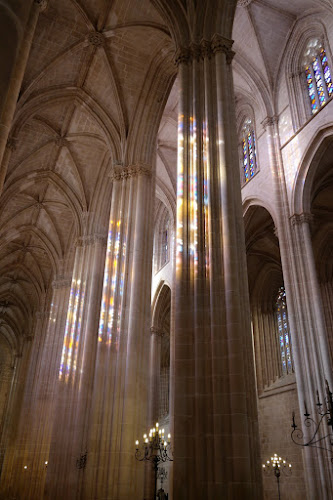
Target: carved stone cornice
{"points": [[299, 219], [206, 48], [120, 172], [156, 331], [42, 4], [96, 38], [61, 282]]}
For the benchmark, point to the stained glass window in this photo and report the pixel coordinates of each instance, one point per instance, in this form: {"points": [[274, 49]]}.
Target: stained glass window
{"points": [[283, 332], [317, 74], [165, 243], [249, 151]]}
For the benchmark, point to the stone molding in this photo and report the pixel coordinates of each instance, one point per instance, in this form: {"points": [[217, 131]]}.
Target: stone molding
{"points": [[156, 331], [42, 4], [96, 38], [91, 239], [120, 172], [206, 48], [299, 219], [61, 282]]}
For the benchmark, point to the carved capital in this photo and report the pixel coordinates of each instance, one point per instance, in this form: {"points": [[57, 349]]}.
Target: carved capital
{"points": [[183, 56], [61, 282], [269, 121], [299, 219], [196, 51], [206, 48], [221, 44], [101, 239], [156, 331], [42, 4], [84, 241], [96, 38], [91, 239], [121, 172], [244, 3]]}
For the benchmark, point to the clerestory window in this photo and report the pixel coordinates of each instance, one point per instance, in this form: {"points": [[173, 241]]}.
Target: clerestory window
{"points": [[317, 74], [249, 151], [283, 332]]}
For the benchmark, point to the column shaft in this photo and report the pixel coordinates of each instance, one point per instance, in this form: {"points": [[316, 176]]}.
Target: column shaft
{"points": [[215, 426], [21, 25], [119, 414]]}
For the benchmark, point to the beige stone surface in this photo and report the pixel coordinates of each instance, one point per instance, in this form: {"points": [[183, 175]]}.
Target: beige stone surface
{"points": [[120, 121]]}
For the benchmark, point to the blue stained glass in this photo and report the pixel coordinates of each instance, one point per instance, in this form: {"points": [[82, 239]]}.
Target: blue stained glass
{"points": [[311, 91], [251, 154], [245, 162], [327, 72], [319, 82]]}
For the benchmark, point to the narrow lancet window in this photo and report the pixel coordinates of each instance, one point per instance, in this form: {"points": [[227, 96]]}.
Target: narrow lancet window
{"points": [[249, 151], [283, 332], [317, 74]]}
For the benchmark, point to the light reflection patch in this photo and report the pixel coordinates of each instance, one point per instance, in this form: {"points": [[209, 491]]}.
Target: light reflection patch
{"points": [[68, 363]]}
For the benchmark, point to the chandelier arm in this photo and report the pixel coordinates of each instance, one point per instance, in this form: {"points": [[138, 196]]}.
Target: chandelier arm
{"points": [[300, 434]]}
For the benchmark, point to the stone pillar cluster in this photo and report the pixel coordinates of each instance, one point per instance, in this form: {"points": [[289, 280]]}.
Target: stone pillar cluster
{"points": [[13, 68], [305, 314], [28, 433], [215, 433], [120, 380]]}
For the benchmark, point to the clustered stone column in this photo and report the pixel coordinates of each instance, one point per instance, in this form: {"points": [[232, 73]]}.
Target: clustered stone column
{"points": [[305, 313], [120, 384], [13, 68], [154, 373], [268, 356], [33, 407], [75, 369], [314, 363], [215, 415]]}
